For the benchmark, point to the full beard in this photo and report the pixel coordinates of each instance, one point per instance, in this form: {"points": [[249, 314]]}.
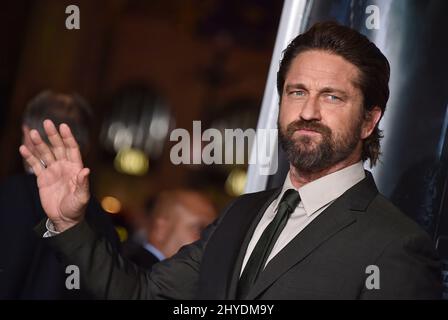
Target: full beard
{"points": [[311, 154]]}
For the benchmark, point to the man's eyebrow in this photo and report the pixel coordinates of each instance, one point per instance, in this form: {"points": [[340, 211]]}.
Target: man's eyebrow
{"points": [[291, 86], [333, 90]]}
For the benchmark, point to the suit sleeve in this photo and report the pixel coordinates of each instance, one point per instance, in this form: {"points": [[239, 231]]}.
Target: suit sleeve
{"points": [[409, 268], [101, 223], [107, 275]]}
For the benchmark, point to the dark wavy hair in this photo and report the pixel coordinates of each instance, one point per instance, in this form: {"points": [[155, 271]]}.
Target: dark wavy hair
{"points": [[71, 109], [360, 51]]}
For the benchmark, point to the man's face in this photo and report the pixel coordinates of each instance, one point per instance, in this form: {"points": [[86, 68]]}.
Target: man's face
{"points": [[321, 114], [187, 214], [189, 225]]}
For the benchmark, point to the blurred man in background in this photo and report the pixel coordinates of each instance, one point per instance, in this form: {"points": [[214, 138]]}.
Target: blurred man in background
{"points": [[174, 219], [28, 269]]}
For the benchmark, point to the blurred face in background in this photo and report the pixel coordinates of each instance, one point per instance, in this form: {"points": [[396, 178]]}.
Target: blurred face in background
{"points": [[59, 108], [179, 218]]}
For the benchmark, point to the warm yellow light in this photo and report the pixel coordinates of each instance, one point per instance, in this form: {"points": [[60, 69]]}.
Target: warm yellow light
{"points": [[131, 161], [111, 204], [235, 182]]}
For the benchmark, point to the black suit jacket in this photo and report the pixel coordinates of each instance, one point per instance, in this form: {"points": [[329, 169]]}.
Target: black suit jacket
{"points": [[29, 269], [137, 254], [327, 260]]}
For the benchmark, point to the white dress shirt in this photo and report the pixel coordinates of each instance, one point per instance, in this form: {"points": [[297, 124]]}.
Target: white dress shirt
{"points": [[51, 230], [315, 197], [156, 252]]}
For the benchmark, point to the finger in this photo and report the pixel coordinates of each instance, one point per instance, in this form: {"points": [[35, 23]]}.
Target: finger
{"points": [[27, 139], [55, 139], [42, 150], [82, 178], [32, 161], [71, 146]]}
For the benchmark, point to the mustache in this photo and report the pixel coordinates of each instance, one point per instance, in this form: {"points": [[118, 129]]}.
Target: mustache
{"points": [[307, 125]]}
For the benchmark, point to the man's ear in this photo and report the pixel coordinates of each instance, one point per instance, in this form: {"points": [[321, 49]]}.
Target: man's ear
{"points": [[370, 121]]}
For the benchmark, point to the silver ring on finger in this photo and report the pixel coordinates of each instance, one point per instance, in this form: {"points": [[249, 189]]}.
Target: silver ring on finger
{"points": [[43, 163]]}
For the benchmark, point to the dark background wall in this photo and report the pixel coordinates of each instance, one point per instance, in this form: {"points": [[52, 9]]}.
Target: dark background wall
{"points": [[207, 59]]}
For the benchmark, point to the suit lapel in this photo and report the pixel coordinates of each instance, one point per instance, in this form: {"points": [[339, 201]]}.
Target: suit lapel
{"points": [[341, 214], [228, 242], [258, 214], [318, 231]]}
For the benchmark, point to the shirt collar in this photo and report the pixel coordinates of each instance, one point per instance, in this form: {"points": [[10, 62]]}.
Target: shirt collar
{"points": [[156, 252], [321, 192]]}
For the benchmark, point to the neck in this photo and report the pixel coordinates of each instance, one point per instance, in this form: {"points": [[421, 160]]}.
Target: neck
{"points": [[301, 178]]}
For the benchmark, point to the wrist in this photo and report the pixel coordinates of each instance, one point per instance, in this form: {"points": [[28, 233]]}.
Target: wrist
{"points": [[62, 226]]}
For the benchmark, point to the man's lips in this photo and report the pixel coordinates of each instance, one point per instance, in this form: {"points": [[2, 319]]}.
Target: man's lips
{"points": [[307, 131]]}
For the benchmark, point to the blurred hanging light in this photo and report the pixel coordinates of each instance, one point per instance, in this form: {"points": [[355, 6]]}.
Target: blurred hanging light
{"points": [[235, 182], [140, 120], [111, 204], [131, 161]]}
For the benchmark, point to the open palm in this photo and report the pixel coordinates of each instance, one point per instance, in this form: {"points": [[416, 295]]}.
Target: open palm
{"points": [[61, 176]]}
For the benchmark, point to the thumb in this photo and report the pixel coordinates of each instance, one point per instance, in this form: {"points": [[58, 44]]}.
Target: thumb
{"points": [[82, 187]]}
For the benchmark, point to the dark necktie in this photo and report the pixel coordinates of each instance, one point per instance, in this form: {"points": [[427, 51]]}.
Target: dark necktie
{"points": [[263, 248]]}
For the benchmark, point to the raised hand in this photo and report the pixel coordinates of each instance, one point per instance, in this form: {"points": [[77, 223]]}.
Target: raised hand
{"points": [[61, 176]]}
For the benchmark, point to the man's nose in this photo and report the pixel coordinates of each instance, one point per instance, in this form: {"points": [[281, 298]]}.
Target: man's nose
{"points": [[311, 109]]}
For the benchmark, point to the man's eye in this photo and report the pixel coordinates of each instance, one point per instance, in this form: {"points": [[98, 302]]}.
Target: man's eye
{"points": [[297, 93], [332, 98]]}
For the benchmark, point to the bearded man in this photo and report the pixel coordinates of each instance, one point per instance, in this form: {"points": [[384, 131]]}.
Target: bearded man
{"points": [[326, 234]]}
